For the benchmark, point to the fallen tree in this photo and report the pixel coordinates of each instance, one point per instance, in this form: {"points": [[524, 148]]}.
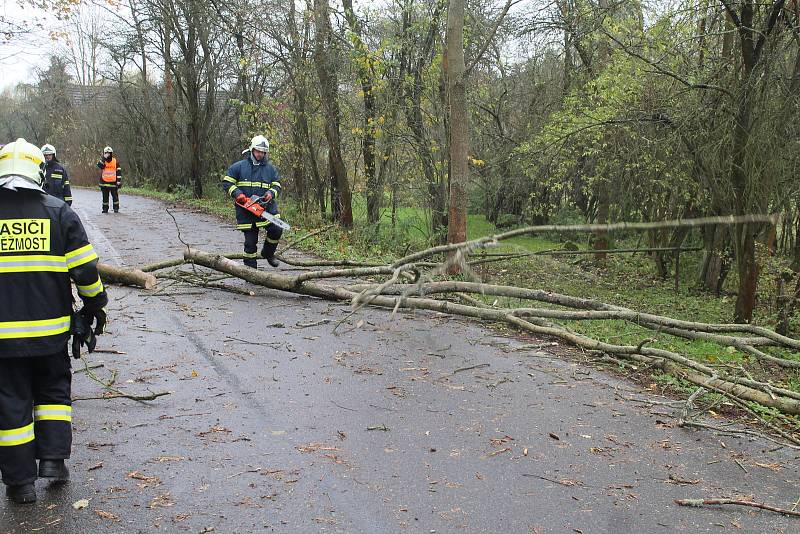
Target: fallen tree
{"points": [[126, 276], [414, 282]]}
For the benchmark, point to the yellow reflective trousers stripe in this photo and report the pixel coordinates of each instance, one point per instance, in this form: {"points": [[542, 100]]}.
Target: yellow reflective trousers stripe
{"points": [[52, 412], [16, 436]]}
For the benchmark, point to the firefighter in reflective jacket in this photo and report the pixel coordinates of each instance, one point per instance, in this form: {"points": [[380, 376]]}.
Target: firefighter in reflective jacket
{"points": [[110, 178], [56, 180], [254, 175], [43, 246]]}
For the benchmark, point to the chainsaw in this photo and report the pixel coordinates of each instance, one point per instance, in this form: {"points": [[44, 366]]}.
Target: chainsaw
{"points": [[257, 206]]}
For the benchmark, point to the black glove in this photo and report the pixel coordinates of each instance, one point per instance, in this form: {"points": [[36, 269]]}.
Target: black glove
{"points": [[82, 334], [98, 317]]}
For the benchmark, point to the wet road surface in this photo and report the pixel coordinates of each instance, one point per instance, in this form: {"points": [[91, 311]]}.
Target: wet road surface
{"points": [[414, 423]]}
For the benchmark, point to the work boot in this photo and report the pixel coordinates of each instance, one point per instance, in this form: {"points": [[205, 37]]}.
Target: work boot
{"points": [[55, 469], [253, 264], [22, 493], [272, 260]]}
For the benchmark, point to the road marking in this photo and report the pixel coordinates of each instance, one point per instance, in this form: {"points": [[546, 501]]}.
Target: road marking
{"points": [[99, 239]]}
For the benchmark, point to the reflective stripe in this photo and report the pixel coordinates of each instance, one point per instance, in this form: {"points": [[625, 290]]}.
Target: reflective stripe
{"points": [[41, 328], [244, 226], [16, 436], [249, 255], [33, 263], [273, 241], [229, 179], [52, 412], [262, 185], [67, 198], [274, 193], [92, 290], [57, 175], [78, 257], [231, 189]]}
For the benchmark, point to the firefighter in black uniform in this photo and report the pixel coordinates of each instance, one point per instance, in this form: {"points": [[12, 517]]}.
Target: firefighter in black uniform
{"points": [[42, 246], [56, 179], [255, 175]]}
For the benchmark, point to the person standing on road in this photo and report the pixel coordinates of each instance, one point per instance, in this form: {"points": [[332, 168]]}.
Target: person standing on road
{"points": [[42, 246], [56, 179], [110, 178], [255, 175]]}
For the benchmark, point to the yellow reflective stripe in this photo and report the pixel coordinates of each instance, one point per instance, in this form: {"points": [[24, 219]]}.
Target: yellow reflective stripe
{"points": [[92, 290], [52, 412], [273, 241], [262, 224], [33, 263], [57, 175], [229, 179], [40, 328], [231, 189], [274, 193], [244, 226], [78, 257], [16, 436], [273, 184], [67, 198], [251, 255]]}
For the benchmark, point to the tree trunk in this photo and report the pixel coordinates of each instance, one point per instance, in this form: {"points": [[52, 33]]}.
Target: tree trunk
{"points": [[370, 117], [326, 71], [459, 127], [715, 265]]}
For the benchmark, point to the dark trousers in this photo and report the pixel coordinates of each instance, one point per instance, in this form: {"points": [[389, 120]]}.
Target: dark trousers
{"points": [[35, 414], [114, 194], [251, 244]]}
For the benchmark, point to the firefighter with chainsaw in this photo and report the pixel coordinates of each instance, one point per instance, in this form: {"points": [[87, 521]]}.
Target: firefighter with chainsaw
{"points": [[254, 185], [110, 178], [43, 246], [56, 179]]}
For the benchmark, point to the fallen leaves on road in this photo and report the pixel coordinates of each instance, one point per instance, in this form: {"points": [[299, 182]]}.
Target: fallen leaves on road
{"points": [[147, 481], [312, 447], [81, 504], [106, 515], [162, 501]]}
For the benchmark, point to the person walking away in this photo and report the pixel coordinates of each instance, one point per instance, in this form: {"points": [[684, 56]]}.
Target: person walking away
{"points": [[43, 246], [110, 178], [255, 175], [56, 179]]}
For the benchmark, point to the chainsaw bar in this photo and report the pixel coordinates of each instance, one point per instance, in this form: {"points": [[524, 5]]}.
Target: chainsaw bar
{"points": [[276, 221]]}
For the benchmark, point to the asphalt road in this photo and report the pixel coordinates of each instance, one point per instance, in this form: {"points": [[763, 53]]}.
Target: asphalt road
{"points": [[409, 423]]}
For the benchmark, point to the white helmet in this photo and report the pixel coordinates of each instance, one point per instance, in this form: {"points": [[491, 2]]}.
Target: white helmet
{"points": [[48, 149], [259, 142], [108, 149], [22, 159]]}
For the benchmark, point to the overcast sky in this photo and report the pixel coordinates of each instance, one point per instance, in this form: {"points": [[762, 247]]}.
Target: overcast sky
{"points": [[21, 56]]}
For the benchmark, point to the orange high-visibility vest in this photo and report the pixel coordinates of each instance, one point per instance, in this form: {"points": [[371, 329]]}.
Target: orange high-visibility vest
{"points": [[109, 175]]}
